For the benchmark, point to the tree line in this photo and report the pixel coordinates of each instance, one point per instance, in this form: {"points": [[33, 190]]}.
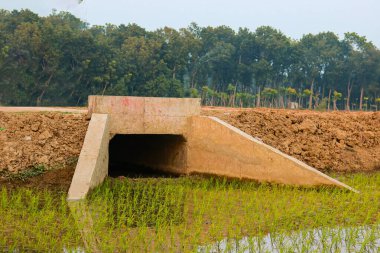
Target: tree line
{"points": [[60, 60]]}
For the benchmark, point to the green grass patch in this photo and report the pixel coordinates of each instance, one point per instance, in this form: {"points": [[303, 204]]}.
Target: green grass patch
{"points": [[190, 214], [25, 174], [37, 170], [2, 128]]}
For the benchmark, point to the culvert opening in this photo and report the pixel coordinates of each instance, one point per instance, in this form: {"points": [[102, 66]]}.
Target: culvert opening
{"points": [[147, 155]]}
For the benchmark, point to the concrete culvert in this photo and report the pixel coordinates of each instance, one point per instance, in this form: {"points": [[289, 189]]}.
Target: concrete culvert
{"points": [[147, 155], [170, 135]]}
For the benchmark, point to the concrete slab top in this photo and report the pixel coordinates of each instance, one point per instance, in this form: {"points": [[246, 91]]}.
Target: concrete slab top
{"points": [[144, 106]]}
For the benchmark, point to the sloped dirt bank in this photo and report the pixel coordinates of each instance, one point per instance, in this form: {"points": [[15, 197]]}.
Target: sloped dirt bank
{"points": [[39, 138], [328, 141], [57, 180]]}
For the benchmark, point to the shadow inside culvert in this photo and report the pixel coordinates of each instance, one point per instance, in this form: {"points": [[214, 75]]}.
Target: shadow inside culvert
{"points": [[147, 155], [130, 170]]}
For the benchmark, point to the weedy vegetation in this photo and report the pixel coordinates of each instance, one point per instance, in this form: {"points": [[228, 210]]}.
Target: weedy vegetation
{"points": [[195, 214], [28, 173]]}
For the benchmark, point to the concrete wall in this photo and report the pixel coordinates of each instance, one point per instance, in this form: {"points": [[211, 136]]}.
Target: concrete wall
{"points": [[215, 147], [145, 115], [92, 165]]}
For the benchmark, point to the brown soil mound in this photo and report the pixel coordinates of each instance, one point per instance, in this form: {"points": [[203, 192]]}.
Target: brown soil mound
{"points": [[334, 141], [31, 139]]}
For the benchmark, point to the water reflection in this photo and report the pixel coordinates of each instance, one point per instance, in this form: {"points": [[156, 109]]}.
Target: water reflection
{"points": [[352, 239], [76, 250], [84, 222]]}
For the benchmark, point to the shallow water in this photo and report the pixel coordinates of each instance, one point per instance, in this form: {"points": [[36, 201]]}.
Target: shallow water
{"points": [[76, 250], [352, 239], [193, 214]]}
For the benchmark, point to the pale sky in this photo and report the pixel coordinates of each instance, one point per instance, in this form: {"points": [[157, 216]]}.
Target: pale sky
{"points": [[293, 17]]}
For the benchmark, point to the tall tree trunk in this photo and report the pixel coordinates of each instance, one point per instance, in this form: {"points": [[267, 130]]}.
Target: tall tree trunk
{"points": [[39, 98], [311, 95], [174, 70], [316, 104], [349, 88], [258, 98], [361, 98], [299, 101], [235, 90], [323, 91], [281, 102], [193, 75], [335, 108], [78, 100], [47, 83], [232, 98], [328, 101], [104, 89]]}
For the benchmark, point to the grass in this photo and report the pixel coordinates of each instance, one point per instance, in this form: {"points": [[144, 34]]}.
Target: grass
{"points": [[30, 172], [36, 170], [24, 175], [195, 214]]}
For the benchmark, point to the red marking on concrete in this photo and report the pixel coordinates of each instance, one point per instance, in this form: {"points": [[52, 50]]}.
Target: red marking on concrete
{"points": [[125, 102]]}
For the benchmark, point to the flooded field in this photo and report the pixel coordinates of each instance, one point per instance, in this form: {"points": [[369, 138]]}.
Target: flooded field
{"points": [[340, 239], [194, 214]]}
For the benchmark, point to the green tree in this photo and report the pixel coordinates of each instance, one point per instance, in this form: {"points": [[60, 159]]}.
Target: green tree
{"points": [[60, 60], [336, 97], [163, 87]]}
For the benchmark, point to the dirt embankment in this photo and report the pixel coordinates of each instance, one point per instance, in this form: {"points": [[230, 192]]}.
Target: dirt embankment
{"points": [[39, 138], [328, 141], [337, 141]]}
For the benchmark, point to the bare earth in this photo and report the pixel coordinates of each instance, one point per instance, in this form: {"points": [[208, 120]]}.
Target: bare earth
{"points": [[334, 141], [328, 141], [43, 109], [34, 138]]}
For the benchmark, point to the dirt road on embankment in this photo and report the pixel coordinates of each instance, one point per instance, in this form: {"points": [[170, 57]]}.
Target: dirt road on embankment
{"points": [[336, 141]]}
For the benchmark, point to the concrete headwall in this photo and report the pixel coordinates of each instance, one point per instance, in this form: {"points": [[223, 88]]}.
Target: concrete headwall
{"points": [[145, 115]]}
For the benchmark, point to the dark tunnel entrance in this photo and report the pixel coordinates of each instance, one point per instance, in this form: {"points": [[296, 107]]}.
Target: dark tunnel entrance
{"points": [[147, 155]]}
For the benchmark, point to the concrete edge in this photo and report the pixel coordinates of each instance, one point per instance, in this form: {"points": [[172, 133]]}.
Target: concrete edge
{"points": [[290, 158], [92, 164]]}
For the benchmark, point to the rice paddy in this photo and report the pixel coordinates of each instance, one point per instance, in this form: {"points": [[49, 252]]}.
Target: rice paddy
{"points": [[194, 214]]}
